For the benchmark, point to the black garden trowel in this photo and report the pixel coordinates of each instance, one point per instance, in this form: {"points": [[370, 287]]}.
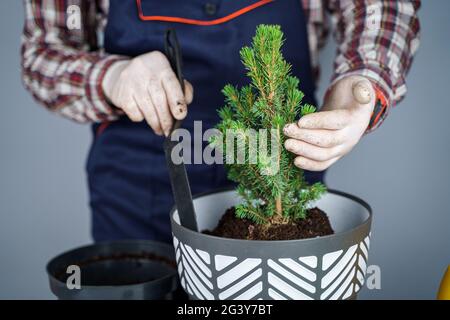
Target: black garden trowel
{"points": [[178, 176]]}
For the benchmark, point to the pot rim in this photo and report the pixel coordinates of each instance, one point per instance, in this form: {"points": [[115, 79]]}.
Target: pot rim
{"points": [[155, 282], [266, 242]]}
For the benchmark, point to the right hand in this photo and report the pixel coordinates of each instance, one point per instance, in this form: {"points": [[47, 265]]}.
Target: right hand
{"points": [[147, 88]]}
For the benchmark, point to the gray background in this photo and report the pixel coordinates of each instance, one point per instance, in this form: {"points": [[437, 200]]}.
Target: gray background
{"points": [[401, 170]]}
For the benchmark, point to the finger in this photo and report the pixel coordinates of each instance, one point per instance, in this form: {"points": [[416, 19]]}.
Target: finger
{"points": [[318, 137], [159, 99], [310, 151], [188, 92], [131, 109], [175, 96], [146, 107], [311, 165], [332, 120]]}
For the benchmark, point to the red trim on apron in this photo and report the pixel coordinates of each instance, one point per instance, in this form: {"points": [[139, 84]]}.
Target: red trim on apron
{"points": [[200, 22], [102, 127]]}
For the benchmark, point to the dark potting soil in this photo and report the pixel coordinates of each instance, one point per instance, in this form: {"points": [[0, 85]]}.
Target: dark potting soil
{"points": [[117, 269], [316, 224], [129, 256]]}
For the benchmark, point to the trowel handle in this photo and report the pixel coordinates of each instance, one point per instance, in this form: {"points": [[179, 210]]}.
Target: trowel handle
{"points": [[173, 54], [177, 172]]}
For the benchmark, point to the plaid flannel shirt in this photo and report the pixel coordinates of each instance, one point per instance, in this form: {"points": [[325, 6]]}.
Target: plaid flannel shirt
{"points": [[376, 39]]}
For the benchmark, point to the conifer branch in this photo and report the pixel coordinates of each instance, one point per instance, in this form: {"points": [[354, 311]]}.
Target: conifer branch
{"points": [[270, 101]]}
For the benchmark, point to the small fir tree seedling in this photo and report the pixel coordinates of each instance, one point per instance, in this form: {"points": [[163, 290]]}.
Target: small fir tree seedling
{"points": [[273, 189]]}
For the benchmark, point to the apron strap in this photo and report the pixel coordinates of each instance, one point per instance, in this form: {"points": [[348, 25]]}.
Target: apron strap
{"points": [[89, 20]]}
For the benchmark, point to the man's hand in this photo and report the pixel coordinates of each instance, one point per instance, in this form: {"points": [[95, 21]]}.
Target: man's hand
{"points": [[320, 139], [147, 88]]}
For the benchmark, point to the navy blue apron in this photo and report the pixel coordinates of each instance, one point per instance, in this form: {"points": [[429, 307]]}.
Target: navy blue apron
{"points": [[130, 193]]}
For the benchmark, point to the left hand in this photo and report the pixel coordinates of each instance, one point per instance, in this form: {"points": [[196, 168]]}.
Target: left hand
{"points": [[320, 139]]}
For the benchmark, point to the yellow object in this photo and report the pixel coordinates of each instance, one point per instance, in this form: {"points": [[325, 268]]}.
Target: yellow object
{"points": [[444, 289]]}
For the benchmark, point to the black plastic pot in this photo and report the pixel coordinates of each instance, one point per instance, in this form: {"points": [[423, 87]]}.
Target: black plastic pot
{"points": [[330, 267], [122, 270]]}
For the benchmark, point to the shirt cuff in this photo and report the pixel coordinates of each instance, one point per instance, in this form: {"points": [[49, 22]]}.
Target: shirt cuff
{"points": [[380, 111], [101, 110]]}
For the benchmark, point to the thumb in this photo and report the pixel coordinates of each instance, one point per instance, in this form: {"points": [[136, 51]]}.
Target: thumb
{"points": [[188, 92], [363, 91]]}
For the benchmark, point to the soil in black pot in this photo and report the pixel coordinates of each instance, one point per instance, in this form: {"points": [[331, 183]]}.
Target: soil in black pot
{"points": [[120, 269], [316, 224]]}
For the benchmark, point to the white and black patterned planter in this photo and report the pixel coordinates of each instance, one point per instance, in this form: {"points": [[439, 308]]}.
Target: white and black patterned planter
{"points": [[330, 267]]}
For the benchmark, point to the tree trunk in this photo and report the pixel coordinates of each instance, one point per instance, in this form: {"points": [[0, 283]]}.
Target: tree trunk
{"points": [[279, 207]]}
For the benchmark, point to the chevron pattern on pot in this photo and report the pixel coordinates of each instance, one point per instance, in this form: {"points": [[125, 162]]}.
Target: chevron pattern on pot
{"points": [[239, 280], [344, 272], [362, 263], [290, 279], [194, 270], [335, 275]]}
